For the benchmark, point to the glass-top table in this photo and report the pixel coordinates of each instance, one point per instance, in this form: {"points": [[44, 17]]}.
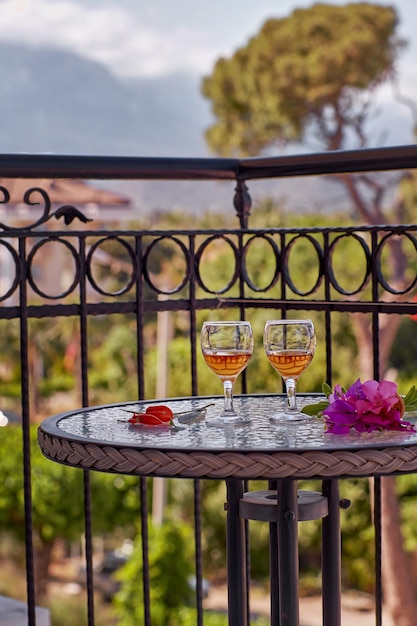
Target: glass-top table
{"points": [[102, 439], [262, 449]]}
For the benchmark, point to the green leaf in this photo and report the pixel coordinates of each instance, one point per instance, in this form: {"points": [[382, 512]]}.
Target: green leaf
{"points": [[410, 400], [411, 396], [315, 409], [327, 390]]}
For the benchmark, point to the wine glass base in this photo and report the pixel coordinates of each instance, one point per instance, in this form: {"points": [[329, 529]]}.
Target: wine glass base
{"points": [[289, 417], [228, 420]]}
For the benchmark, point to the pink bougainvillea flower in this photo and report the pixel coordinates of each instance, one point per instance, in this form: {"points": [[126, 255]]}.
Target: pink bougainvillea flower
{"points": [[340, 416], [365, 407]]}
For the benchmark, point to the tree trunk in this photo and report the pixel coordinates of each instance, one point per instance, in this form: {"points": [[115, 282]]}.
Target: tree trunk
{"points": [[43, 556], [398, 591], [388, 328]]}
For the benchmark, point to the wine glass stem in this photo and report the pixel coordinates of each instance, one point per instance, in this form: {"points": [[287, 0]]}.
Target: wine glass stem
{"points": [[228, 396], [290, 386]]}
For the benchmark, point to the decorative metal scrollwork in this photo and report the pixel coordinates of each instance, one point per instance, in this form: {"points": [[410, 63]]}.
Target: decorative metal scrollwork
{"points": [[68, 212]]}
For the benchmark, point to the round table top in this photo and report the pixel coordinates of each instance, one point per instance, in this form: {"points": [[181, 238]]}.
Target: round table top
{"points": [[101, 438]]}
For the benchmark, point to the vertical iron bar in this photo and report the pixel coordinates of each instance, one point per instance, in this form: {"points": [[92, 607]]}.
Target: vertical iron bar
{"points": [[83, 324], [284, 278], [27, 474], [274, 574], [139, 320], [273, 567], [248, 558], [197, 483], [377, 481], [378, 551], [198, 552], [236, 558], [331, 556], [89, 547], [144, 512], [328, 326], [243, 201], [288, 566], [193, 322], [375, 314], [87, 479]]}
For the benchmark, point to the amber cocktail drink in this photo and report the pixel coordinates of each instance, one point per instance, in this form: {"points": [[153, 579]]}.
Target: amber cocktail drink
{"points": [[227, 348], [289, 362], [290, 346], [227, 366]]}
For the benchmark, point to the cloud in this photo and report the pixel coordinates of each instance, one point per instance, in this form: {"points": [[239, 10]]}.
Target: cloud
{"points": [[129, 43]]}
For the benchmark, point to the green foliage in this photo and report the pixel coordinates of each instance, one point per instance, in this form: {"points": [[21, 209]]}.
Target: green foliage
{"points": [[50, 341], [179, 368], [57, 498], [63, 381], [311, 70], [402, 357], [67, 612], [357, 539], [170, 569], [113, 370], [72, 611], [52, 515]]}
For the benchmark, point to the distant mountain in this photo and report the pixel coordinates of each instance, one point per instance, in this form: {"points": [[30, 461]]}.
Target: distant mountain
{"points": [[56, 101]]}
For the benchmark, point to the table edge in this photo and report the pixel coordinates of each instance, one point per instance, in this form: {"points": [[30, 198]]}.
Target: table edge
{"points": [[222, 464]]}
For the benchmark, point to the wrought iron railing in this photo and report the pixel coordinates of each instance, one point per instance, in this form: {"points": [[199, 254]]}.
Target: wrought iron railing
{"points": [[134, 290]]}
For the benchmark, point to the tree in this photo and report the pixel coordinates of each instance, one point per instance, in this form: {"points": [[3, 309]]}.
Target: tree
{"points": [[312, 76], [312, 72]]}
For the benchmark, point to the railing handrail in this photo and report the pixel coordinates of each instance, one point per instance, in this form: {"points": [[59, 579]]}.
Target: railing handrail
{"points": [[98, 167]]}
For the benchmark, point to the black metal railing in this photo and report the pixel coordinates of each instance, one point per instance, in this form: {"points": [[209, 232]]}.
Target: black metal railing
{"points": [[36, 258]]}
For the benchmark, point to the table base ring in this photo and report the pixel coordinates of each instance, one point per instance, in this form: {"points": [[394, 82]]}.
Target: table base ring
{"points": [[261, 505]]}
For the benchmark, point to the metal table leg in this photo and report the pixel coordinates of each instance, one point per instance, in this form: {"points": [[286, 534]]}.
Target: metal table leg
{"points": [[283, 508], [274, 574], [287, 521], [236, 556], [264, 506], [331, 556]]}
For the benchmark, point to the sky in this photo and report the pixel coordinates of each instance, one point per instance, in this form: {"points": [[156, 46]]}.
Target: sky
{"points": [[143, 38], [154, 38]]}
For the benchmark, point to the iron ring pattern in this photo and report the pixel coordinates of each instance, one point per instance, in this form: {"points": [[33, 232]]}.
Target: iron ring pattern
{"points": [[131, 260], [224, 465], [280, 245], [31, 262]]}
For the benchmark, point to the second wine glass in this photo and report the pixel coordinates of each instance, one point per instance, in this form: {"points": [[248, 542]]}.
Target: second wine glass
{"points": [[227, 348], [290, 346]]}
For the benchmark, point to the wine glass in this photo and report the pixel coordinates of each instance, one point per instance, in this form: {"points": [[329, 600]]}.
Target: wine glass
{"points": [[227, 348], [290, 346]]}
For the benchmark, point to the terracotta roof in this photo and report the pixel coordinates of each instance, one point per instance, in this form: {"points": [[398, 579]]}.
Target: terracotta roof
{"points": [[63, 191]]}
